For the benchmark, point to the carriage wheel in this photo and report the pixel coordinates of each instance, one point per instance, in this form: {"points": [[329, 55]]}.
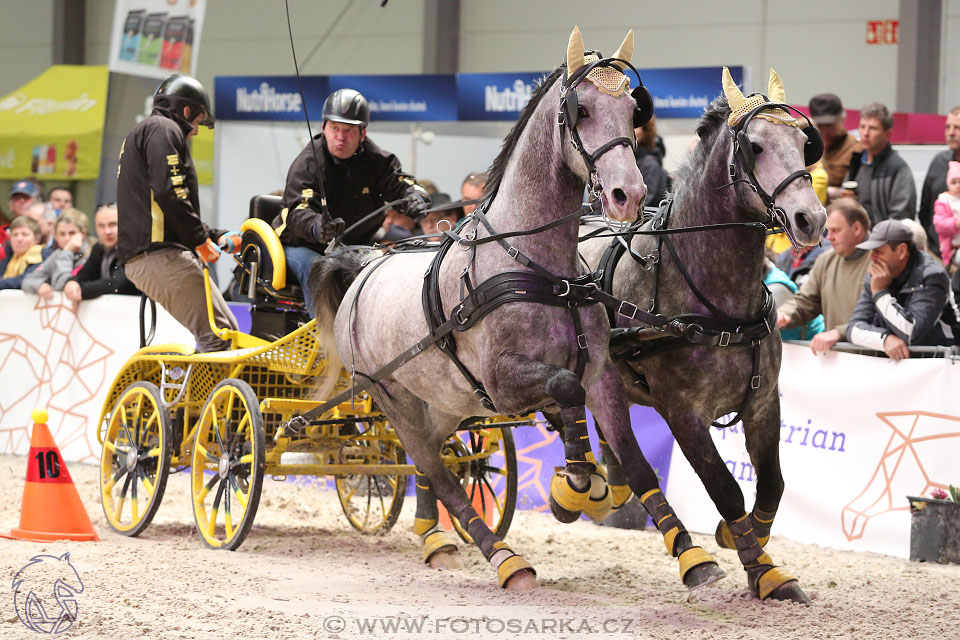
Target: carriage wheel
{"points": [[227, 465], [372, 502], [490, 480], [136, 459]]}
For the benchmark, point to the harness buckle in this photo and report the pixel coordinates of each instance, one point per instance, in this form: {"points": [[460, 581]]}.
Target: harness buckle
{"points": [[582, 341], [459, 313], [755, 382], [631, 312], [567, 292], [725, 340], [513, 252]]}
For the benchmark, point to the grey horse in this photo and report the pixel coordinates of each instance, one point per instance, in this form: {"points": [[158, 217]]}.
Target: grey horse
{"points": [[525, 354], [691, 385]]}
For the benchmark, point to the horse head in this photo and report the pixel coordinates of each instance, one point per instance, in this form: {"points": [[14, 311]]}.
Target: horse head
{"points": [[596, 115], [770, 152]]}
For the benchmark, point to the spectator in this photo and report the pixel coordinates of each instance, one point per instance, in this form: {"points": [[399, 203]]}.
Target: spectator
{"points": [[23, 252], [60, 199], [160, 233], [396, 226], [828, 115], [102, 272], [4, 233], [472, 189], [836, 279], [936, 181], [783, 290], [649, 157], [70, 234], [432, 219], [946, 214], [356, 177], [904, 295], [797, 263], [44, 216], [23, 194], [885, 184]]}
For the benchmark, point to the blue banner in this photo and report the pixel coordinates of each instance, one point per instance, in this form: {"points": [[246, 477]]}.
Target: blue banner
{"points": [[268, 97], [677, 93], [494, 96], [404, 98]]}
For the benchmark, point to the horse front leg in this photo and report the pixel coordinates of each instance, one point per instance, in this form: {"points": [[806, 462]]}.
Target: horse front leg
{"points": [[607, 402], [522, 382], [422, 433], [749, 533]]}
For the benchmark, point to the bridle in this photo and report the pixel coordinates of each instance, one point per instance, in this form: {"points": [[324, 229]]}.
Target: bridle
{"points": [[743, 162], [567, 119]]}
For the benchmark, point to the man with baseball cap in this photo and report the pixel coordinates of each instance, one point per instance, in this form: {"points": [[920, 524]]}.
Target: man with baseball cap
{"points": [[905, 292], [828, 115], [23, 194]]}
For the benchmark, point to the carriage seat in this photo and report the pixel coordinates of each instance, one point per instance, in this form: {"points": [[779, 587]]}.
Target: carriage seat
{"points": [[262, 253]]}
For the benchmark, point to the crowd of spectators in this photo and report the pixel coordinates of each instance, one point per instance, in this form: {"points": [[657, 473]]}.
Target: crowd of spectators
{"points": [[45, 246]]}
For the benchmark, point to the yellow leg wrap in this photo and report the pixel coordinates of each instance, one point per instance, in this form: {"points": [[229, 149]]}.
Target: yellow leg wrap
{"points": [[724, 537], [621, 493], [422, 525], [435, 542], [510, 566], [600, 504], [566, 496], [763, 540], [644, 497], [669, 537], [772, 579], [693, 557]]}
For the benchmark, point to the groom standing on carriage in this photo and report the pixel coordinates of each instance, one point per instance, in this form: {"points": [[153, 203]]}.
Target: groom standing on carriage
{"points": [[339, 178]]}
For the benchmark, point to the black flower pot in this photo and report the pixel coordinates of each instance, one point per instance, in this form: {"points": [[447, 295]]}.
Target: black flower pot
{"points": [[934, 530]]}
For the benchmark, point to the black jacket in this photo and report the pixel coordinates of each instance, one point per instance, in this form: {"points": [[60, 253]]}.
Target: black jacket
{"points": [[157, 203], [94, 283], [893, 193], [650, 163], [910, 307], [354, 187], [933, 185]]}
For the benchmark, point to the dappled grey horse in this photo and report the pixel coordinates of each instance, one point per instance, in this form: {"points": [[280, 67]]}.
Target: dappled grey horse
{"points": [[543, 348], [746, 173]]}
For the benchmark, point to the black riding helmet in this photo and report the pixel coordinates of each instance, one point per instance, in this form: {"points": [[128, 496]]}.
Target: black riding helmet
{"points": [[347, 106], [179, 91]]}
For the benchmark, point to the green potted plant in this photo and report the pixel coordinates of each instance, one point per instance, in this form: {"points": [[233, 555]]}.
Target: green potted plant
{"points": [[935, 526]]}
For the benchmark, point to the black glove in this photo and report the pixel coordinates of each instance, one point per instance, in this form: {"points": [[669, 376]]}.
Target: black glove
{"points": [[325, 230], [416, 204]]}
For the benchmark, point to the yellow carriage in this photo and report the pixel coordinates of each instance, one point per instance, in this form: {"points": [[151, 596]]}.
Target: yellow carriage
{"points": [[228, 417]]}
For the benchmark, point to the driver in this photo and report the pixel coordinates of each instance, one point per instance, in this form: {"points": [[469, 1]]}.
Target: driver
{"points": [[358, 177]]}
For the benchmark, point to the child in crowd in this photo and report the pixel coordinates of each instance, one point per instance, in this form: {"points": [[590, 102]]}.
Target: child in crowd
{"points": [[70, 234], [946, 215], [22, 252]]}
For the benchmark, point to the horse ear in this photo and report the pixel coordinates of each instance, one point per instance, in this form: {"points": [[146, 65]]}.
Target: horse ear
{"points": [[731, 90], [625, 52], [775, 88], [575, 58]]}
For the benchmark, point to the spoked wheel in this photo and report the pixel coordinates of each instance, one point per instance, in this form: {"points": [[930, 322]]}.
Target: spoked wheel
{"points": [[135, 459], [488, 473], [227, 465], [371, 501]]}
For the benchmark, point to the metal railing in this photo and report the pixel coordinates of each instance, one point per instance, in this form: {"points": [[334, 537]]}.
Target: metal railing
{"points": [[949, 353]]}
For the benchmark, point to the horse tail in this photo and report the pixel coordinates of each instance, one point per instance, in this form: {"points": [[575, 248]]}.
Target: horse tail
{"points": [[330, 277]]}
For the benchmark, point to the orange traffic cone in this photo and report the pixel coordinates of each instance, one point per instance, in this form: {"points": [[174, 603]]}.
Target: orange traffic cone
{"points": [[51, 508]]}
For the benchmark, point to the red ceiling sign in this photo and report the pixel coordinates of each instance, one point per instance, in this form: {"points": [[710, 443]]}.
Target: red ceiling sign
{"points": [[882, 31]]}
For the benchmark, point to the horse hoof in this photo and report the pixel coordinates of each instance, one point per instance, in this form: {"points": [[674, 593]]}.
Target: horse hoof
{"points": [[524, 580], [723, 536], [702, 575], [563, 515], [446, 559], [790, 591]]}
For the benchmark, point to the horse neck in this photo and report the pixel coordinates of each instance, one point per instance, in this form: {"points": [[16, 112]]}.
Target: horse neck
{"points": [[536, 189], [725, 265]]}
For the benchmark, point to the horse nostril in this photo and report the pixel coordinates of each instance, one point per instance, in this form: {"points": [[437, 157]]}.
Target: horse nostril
{"points": [[802, 221], [619, 197]]}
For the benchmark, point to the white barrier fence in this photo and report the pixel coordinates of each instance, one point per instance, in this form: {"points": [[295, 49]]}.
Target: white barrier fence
{"points": [[857, 434]]}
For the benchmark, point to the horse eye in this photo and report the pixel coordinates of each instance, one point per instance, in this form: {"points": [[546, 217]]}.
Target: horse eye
{"points": [[581, 112], [756, 148]]}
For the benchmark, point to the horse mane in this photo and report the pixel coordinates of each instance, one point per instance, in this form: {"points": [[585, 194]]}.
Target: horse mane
{"points": [[712, 123], [499, 166]]}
